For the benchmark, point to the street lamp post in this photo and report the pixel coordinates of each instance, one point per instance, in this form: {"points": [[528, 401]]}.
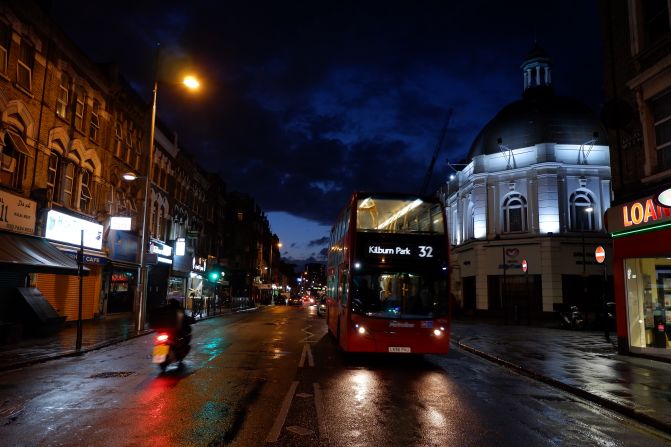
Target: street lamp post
{"points": [[143, 274], [141, 284], [586, 219]]}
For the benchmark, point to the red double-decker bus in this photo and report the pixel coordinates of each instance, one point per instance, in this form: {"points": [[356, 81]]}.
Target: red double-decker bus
{"points": [[387, 275]]}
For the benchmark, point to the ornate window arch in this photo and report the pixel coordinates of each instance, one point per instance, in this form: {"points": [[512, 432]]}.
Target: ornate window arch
{"points": [[514, 213], [580, 218]]}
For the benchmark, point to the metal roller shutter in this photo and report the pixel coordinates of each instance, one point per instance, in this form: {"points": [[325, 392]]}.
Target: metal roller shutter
{"points": [[62, 292]]}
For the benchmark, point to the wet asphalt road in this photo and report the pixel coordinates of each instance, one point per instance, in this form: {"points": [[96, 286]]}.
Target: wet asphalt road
{"points": [[274, 377]]}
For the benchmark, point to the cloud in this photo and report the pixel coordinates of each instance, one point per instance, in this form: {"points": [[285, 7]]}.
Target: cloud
{"points": [[318, 242], [306, 102]]}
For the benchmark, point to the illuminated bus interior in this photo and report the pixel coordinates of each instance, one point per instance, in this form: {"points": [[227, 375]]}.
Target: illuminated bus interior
{"points": [[399, 216]]}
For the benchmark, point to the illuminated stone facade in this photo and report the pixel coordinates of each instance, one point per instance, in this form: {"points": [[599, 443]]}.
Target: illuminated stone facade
{"points": [[535, 187]]}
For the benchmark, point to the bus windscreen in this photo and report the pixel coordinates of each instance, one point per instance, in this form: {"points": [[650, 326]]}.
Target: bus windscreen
{"points": [[399, 295]]}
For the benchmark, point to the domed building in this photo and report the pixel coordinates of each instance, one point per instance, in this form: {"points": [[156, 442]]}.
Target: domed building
{"points": [[525, 214]]}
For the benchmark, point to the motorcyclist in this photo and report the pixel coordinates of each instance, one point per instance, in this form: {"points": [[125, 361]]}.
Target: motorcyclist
{"points": [[181, 321]]}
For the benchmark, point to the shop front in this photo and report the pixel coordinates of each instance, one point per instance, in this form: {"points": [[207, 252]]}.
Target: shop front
{"points": [[158, 274], [68, 233], [179, 276], [642, 276], [24, 257], [196, 282], [120, 277]]}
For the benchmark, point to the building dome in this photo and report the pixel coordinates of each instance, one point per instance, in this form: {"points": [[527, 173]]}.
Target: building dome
{"points": [[539, 117]]}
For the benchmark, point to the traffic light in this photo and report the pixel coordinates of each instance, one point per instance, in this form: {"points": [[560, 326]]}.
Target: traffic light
{"points": [[215, 275]]}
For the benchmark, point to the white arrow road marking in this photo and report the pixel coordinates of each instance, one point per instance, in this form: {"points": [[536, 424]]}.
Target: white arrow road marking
{"points": [[282, 415]]}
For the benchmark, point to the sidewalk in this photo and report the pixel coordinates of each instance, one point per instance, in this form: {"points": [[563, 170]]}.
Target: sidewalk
{"points": [[96, 334], [579, 362]]}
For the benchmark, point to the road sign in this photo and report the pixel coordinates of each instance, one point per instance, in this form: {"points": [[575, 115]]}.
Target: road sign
{"points": [[524, 265], [600, 254]]}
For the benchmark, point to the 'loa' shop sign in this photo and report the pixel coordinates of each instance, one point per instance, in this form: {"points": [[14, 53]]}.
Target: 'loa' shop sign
{"points": [[645, 212], [17, 213]]}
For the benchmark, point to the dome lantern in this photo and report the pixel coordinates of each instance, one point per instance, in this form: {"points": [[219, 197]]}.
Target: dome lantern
{"points": [[536, 69]]}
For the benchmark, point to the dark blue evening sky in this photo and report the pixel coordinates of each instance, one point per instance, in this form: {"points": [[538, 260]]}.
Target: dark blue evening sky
{"points": [[305, 102]]}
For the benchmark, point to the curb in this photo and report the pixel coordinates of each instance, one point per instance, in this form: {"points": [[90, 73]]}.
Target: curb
{"points": [[579, 392], [94, 347], [71, 352]]}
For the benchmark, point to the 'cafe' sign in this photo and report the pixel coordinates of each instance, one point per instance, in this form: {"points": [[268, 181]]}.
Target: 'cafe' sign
{"points": [[645, 212]]}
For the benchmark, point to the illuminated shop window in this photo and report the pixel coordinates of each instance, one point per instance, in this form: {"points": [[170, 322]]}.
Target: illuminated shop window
{"points": [[648, 300]]}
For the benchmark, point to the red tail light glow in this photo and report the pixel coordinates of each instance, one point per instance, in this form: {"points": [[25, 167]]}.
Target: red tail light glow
{"points": [[162, 338]]}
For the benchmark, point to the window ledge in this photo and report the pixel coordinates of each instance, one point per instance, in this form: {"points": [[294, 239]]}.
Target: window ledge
{"points": [[24, 90], [656, 177]]}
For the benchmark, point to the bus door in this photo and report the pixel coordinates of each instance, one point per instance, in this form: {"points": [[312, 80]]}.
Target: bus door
{"points": [[343, 303]]}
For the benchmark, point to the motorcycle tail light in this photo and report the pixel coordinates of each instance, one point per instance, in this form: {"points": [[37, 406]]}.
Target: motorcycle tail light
{"points": [[161, 338]]}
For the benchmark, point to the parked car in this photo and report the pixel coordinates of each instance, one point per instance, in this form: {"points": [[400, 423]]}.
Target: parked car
{"points": [[321, 308]]}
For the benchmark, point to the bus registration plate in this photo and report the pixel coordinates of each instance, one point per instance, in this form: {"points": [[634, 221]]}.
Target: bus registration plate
{"points": [[399, 349]]}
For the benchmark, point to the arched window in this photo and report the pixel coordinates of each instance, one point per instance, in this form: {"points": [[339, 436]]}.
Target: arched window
{"points": [[54, 176], [514, 213], [86, 198], [68, 182], [582, 211]]}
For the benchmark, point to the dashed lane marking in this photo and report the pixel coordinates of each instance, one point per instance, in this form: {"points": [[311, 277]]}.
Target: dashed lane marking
{"points": [[319, 407], [281, 418]]}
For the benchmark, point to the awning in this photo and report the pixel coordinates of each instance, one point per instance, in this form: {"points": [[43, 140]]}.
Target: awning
{"points": [[32, 254], [18, 143]]}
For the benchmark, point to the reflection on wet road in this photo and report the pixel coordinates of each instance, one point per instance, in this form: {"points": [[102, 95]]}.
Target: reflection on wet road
{"points": [[274, 377]]}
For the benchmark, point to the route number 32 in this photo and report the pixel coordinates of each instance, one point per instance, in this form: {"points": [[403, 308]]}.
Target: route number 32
{"points": [[425, 251]]}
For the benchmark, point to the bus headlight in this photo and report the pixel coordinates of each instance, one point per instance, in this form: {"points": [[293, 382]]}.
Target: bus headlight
{"points": [[437, 332], [360, 329]]}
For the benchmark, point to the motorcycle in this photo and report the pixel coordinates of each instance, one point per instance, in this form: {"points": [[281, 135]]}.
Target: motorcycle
{"points": [[572, 319], [169, 348]]}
